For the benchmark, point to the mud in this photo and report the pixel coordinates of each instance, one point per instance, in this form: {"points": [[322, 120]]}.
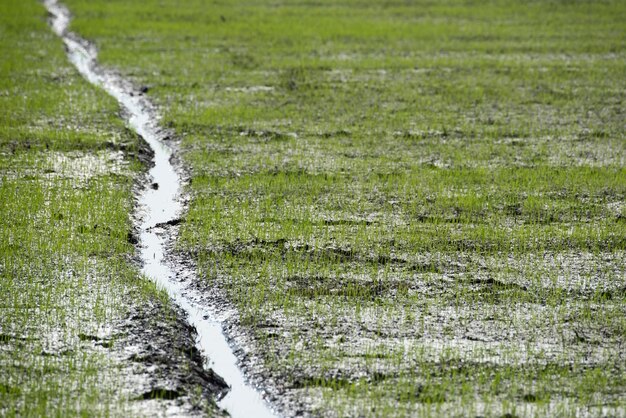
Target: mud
{"points": [[169, 352], [161, 363]]}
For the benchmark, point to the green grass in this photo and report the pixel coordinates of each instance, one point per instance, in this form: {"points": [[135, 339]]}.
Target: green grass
{"points": [[417, 207], [67, 280]]}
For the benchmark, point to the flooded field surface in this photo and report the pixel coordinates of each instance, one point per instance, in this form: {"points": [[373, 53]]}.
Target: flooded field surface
{"points": [[363, 208]]}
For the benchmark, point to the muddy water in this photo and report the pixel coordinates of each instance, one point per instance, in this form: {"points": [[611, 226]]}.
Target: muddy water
{"points": [[159, 205]]}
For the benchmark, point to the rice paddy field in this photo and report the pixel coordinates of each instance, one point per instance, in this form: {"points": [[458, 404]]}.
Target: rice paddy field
{"points": [[416, 208]]}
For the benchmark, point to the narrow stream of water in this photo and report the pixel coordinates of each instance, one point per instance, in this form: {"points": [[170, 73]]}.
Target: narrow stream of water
{"points": [[161, 205]]}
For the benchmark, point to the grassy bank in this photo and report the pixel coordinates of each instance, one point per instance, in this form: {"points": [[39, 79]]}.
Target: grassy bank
{"points": [[73, 307], [418, 208]]}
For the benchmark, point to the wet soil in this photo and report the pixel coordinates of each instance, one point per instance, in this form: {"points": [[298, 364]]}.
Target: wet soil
{"points": [[167, 372]]}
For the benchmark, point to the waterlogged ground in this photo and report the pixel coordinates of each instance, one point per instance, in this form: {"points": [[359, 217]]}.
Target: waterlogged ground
{"points": [[416, 207], [81, 333]]}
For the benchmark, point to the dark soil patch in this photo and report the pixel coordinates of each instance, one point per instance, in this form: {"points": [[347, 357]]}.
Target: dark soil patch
{"points": [[159, 393]]}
